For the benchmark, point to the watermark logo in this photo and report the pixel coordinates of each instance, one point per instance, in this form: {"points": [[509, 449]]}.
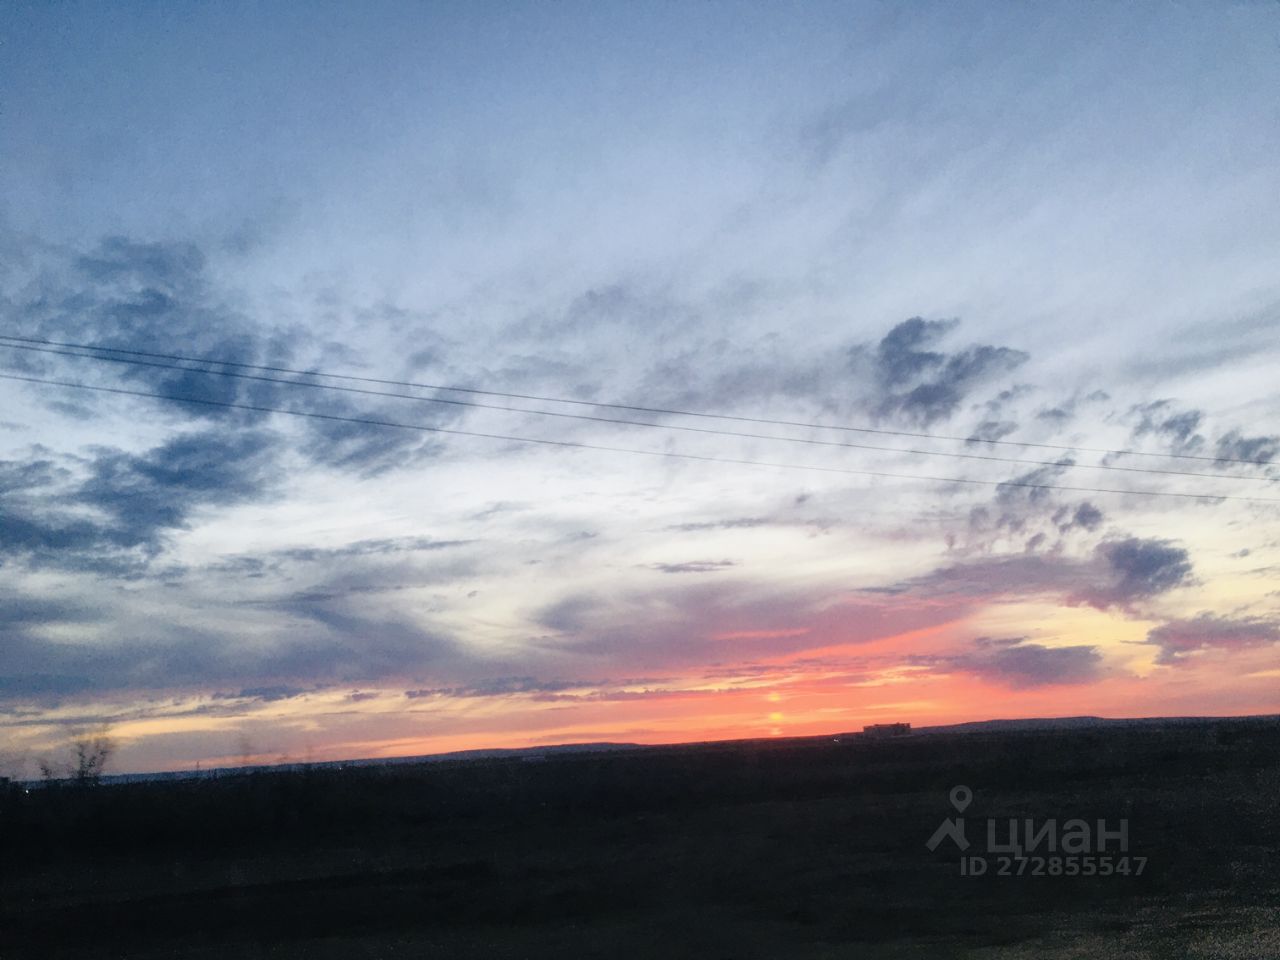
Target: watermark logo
{"points": [[953, 827], [1048, 847]]}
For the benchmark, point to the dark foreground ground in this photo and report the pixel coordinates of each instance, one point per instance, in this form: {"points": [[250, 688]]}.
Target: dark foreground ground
{"points": [[787, 849]]}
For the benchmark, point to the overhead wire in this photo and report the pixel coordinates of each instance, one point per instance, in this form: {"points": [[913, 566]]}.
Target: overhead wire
{"points": [[664, 411], [511, 438], [77, 352]]}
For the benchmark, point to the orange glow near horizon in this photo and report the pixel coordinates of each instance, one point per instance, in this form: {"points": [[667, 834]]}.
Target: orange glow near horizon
{"points": [[838, 676], [795, 701]]}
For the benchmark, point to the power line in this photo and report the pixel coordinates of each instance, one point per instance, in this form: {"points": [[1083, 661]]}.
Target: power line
{"points": [[665, 411], [619, 421], [629, 450]]}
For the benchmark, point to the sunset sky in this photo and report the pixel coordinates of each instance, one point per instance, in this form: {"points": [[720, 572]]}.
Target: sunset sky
{"points": [[1039, 225]]}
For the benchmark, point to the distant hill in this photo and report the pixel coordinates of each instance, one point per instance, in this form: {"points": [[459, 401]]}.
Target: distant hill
{"points": [[527, 753], [1072, 723], [1028, 724]]}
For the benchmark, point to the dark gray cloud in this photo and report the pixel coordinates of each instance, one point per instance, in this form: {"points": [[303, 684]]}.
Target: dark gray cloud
{"points": [[901, 359], [356, 641], [1033, 517], [1179, 639], [1117, 573], [348, 626], [500, 686], [1020, 664], [24, 610], [990, 577], [18, 477], [1235, 446], [117, 514], [902, 375], [159, 297], [991, 430], [1177, 428], [1135, 569], [1058, 416], [1030, 488], [150, 296], [158, 490], [925, 385], [1085, 516], [268, 694], [694, 566], [365, 548], [570, 614], [733, 523], [751, 523], [24, 670], [258, 566], [330, 643]]}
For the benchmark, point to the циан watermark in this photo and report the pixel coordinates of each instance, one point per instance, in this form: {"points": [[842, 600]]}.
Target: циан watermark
{"points": [[1017, 847]]}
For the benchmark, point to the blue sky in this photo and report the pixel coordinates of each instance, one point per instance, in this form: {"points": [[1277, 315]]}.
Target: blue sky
{"points": [[1045, 224]]}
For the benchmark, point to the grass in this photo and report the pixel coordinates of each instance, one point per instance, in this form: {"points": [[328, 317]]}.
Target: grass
{"points": [[802, 848]]}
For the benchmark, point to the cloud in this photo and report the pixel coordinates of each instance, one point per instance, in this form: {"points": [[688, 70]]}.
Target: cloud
{"points": [[1033, 516], [1158, 418], [158, 490], [1235, 446], [751, 523], [327, 644], [55, 685], [1058, 416], [116, 515], [720, 621], [1179, 640], [901, 360], [268, 694], [991, 430], [694, 566], [1086, 516], [370, 450], [502, 686], [364, 548], [1020, 664], [151, 296], [733, 523], [1135, 569], [1180, 430], [1116, 573], [160, 297], [925, 385], [349, 625], [24, 610], [350, 578]]}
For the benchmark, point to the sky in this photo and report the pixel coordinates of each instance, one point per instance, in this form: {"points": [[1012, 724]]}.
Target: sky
{"points": [[1034, 246]]}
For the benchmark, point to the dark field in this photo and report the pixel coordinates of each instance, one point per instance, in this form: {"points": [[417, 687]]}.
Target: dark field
{"points": [[797, 848]]}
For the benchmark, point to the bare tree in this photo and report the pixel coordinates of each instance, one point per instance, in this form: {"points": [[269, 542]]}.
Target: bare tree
{"points": [[92, 754]]}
